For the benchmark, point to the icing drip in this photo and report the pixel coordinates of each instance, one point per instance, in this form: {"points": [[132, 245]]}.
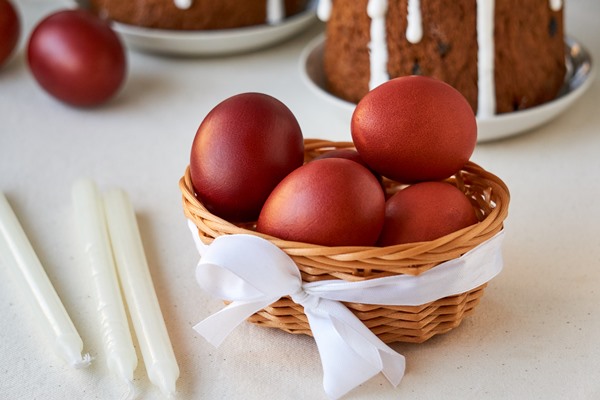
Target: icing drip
{"points": [[275, 11], [486, 101], [556, 5], [183, 4], [377, 10], [324, 10], [378, 57], [414, 28]]}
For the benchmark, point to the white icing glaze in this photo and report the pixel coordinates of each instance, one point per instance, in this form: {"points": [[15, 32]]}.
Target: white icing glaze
{"points": [[275, 11], [486, 98], [414, 28], [324, 10], [183, 4], [556, 5], [377, 10]]}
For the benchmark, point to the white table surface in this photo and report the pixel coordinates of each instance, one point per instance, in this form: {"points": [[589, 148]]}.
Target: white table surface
{"points": [[533, 336]]}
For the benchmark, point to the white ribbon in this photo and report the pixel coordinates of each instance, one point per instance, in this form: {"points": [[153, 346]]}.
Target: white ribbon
{"points": [[252, 273]]}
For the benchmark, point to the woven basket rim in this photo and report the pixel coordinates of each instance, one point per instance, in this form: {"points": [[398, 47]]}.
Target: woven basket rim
{"points": [[359, 262]]}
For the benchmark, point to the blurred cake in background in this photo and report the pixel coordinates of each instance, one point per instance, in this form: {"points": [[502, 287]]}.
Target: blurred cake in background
{"points": [[198, 14], [502, 55]]}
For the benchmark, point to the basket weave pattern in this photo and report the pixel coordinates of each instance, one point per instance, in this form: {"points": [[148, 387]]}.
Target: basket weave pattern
{"points": [[490, 198]]}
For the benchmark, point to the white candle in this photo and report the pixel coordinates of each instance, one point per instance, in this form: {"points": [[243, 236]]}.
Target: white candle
{"points": [[118, 345], [34, 283], [142, 301]]}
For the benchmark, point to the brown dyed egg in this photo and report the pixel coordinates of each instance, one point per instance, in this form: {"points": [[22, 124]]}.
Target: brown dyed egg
{"points": [[425, 211], [10, 30], [77, 57], [330, 202], [348, 154], [414, 128], [243, 148]]}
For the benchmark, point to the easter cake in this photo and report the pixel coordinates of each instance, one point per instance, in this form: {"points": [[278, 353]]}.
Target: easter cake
{"points": [[198, 14], [502, 56]]}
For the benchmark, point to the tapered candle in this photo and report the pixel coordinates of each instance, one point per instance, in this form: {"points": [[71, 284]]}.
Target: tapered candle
{"points": [[33, 281], [142, 301], [118, 345]]}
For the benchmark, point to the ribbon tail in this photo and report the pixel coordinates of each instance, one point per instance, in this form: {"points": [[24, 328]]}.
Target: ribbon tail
{"points": [[350, 353], [218, 326], [394, 365]]}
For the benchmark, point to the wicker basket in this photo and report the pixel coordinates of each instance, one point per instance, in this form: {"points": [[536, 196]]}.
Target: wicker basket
{"points": [[415, 324]]}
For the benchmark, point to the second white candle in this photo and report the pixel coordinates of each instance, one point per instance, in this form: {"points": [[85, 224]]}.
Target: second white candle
{"points": [[142, 300], [118, 344]]}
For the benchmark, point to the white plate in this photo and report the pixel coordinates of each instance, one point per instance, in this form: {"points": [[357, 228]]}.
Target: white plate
{"points": [[211, 42], [580, 74]]}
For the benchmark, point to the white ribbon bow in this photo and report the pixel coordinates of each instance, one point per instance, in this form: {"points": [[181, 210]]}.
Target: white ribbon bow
{"points": [[252, 273]]}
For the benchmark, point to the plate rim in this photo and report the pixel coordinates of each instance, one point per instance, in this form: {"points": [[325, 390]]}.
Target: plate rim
{"points": [[217, 42], [220, 34], [555, 107]]}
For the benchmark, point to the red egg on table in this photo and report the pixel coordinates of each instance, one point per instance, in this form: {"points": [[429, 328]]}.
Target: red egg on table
{"points": [[425, 211], [414, 128], [77, 58], [329, 202], [243, 148], [10, 30]]}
